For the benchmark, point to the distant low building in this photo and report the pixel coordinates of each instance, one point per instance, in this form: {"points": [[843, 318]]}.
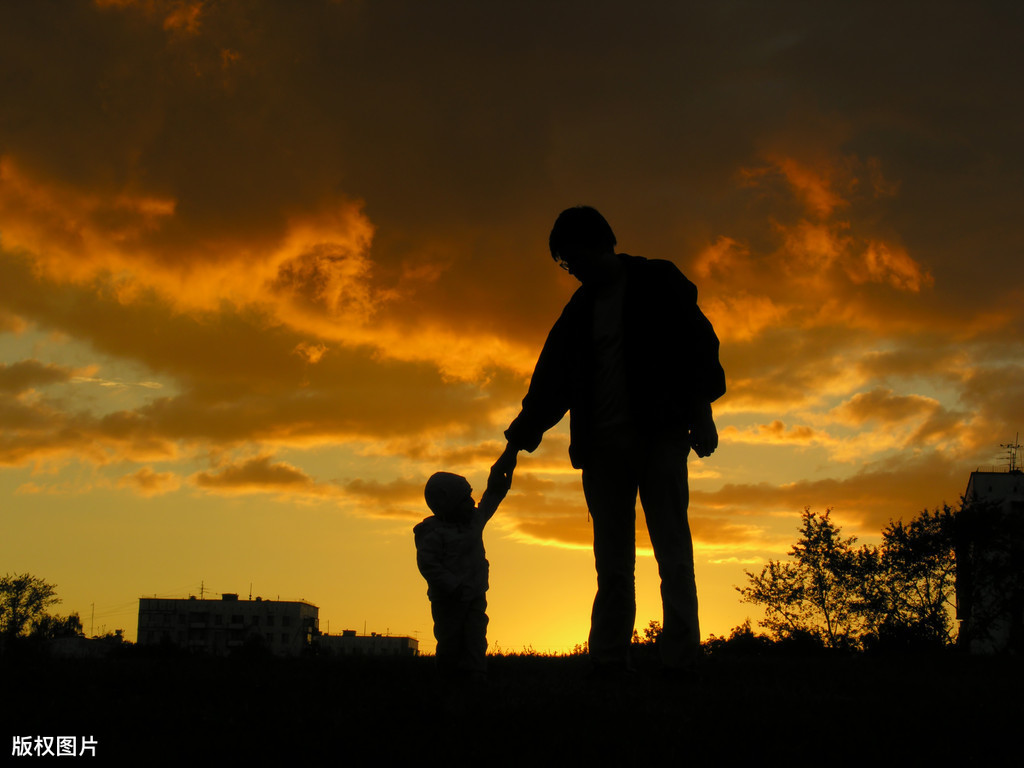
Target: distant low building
{"points": [[990, 563], [348, 643], [220, 627]]}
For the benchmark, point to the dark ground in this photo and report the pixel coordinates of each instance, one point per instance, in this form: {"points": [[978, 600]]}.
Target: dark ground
{"points": [[813, 710]]}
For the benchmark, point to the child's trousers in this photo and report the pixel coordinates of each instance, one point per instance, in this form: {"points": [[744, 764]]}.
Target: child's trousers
{"points": [[460, 627]]}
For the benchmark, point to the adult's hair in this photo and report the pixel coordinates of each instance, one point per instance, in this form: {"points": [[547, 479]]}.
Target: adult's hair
{"points": [[581, 227]]}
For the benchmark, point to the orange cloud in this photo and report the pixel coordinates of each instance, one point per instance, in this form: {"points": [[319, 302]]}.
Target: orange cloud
{"points": [[742, 317], [811, 249], [722, 259], [183, 17], [234, 375], [812, 185], [885, 406], [401, 498], [777, 433], [889, 264], [867, 499], [258, 474], [711, 532], [548, 520], [147, 482], [74, 234], [316, 278]]}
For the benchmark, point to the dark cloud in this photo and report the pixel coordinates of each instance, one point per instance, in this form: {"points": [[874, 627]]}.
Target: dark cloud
{"points": [[410, 109], [994, 395], [26, 374], [924, 355], [785, 367], [885, 406]]}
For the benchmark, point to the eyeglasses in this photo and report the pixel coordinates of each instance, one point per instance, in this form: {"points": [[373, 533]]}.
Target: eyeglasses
{"points": [[563, 262]]}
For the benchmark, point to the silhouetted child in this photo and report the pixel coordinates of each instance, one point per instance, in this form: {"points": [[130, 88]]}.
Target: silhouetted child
{"points": [[450, 555]]}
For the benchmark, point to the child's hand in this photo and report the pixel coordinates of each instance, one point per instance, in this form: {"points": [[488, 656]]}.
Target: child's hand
{"points": [[506, 463], [499, 482]]}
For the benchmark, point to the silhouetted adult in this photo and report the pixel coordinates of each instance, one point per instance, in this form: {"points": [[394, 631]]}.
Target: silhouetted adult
{"points": [[635, 362]]}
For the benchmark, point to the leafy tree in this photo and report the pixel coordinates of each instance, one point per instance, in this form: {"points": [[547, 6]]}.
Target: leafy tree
{"points": [[899, 593], [23, 602], [817, 592], [651, 634], [49, 627], [918, 575]]}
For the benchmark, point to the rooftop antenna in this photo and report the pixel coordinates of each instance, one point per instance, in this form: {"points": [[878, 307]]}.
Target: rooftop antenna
{"points": [[250, 590], [1011, 451]]}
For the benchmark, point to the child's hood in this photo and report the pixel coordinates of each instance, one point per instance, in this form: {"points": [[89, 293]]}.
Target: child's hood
{"points": [[425, 526], [432, 525]]}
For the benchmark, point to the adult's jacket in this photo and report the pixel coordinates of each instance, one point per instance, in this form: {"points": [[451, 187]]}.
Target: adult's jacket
{"points": [[671, 362]]}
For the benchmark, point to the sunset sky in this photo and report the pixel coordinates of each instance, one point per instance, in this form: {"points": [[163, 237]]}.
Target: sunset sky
{"points": [[266, 266]]}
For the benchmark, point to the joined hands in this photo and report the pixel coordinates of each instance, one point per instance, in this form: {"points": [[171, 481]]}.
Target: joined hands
{"points": [[501, 473]]}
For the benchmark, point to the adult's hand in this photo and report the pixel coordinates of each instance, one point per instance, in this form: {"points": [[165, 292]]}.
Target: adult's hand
{"points": [[704, 434]]}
